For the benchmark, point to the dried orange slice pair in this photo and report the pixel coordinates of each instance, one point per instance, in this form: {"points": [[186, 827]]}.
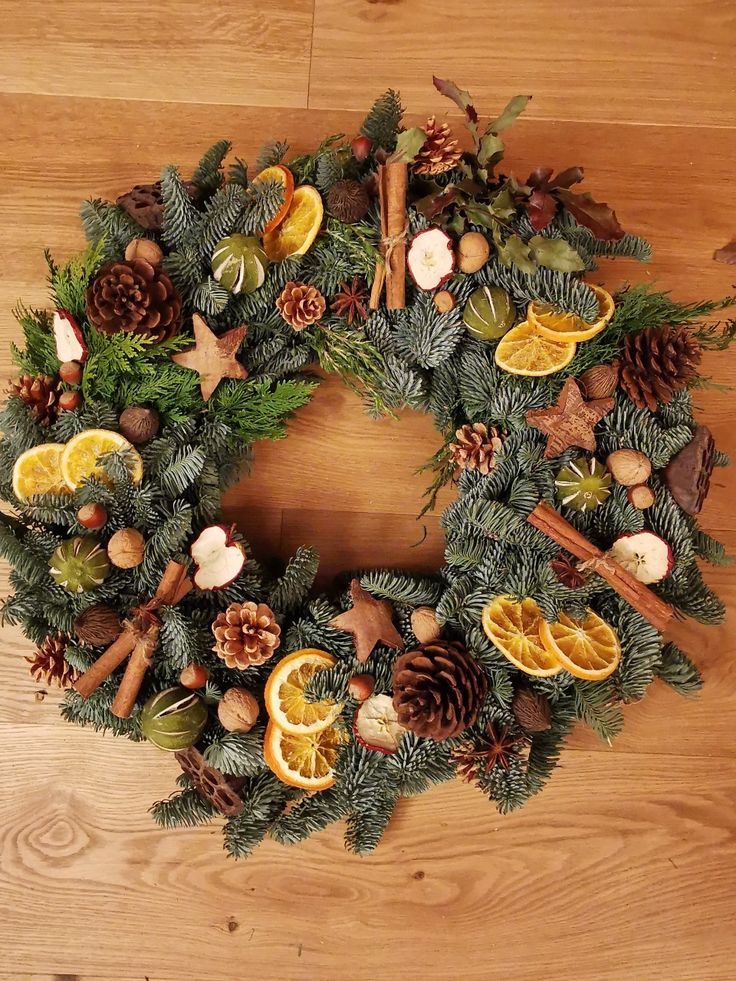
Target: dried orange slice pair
{"points": [[301, 742], [588, 649]]}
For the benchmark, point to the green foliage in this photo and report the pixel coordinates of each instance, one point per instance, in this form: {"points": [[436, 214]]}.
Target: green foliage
{"points": [[208, 175], [69, 281], [382, 123]]}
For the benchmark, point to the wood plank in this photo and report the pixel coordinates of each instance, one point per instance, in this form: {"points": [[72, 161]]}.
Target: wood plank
{"points": [[179, 52], [628, 62], [620, 842]]}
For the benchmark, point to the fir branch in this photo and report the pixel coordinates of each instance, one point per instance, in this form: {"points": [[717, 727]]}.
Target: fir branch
{"points": [[208, 174]]}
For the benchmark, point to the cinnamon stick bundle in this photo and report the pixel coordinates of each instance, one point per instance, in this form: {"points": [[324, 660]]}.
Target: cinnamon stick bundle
{"points": [[140, 660], [636, 593], [393, 183]]}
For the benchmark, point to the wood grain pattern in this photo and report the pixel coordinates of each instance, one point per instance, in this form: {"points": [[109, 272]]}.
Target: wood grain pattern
{"points": [[625, 867]]}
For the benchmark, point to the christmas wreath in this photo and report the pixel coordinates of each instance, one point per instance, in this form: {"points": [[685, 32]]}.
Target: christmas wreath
{"points": [[425, 277]]}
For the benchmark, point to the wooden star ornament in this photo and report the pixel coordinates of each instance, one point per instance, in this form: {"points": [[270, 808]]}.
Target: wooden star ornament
{"points": [[213, 357], [570, 421], [369, 621]]}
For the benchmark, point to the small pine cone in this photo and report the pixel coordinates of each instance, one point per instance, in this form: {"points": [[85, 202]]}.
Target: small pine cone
{"points": [[246, 634], [438, 689], [301, 305], [348, 201], [49, 665], [476, 447], [440, 151], [41, 395], [134, 296], [657, 362], [532, 710]]}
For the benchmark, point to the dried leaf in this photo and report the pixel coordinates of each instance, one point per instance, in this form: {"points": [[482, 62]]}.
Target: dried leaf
{"points": [[540, 177], [595, 215], [462, 100], [479, 214], [541, 208], [502, 205], [556, 253], [513, 109], [436, 201], [726, 254], [408, 145], [566, 178], [515, 251], [490, 150]]}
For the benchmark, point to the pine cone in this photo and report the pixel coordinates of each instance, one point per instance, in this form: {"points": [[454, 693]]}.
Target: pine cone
{"points": [[210, 783], [247, 634], [348, 201], [657, 362], [438, 689], [440, 151], [49, 665], [41, 395], [532, 710], [301, 305], [134, 296], [476, 447]]}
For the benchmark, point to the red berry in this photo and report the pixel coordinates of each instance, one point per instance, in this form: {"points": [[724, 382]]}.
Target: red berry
{"points": [[92, 516], [361, 147], [71, 372], [194, 676], [69, 401]]}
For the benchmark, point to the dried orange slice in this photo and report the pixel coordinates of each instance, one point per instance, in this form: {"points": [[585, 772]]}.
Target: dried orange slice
{"points": [[556, 326], [514, 628], [588, 648], [278, 173], [303, 760], [299, 228], [284, 693], [38, 471], [81, 457], [524, 351]]}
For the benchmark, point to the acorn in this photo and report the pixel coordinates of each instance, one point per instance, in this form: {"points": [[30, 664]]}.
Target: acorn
{"points": [[629, 467], [472, 252], [144, 248], [71, 372], [92, 516], [238, 710], [125, 548]]}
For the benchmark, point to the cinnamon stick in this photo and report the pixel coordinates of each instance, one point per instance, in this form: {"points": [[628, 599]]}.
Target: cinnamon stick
{"points": [[174, 585], [636, 593], [393, 183], [140, 660], [105, 664]]}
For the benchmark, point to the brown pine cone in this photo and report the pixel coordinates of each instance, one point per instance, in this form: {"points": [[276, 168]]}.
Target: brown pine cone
{"points": [[49, 665], [476, 447], [41, 395], [221, 791], [134, 296], [657, 362], [301, 305], [348, 201], [440, 151], [532, 710], [438, 689], [246, 634]]}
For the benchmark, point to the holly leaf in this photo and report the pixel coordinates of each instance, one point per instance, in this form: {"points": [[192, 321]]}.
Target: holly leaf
{"points": [[408, 145], [502, 205], [595, 215], [556, 253], [727, 253], [490, 150], [437, 201], [514, 251], [513, 110], [541, 208], [462, 100]]}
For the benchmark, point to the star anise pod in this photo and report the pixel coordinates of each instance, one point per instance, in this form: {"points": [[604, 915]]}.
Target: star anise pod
{"points": [[350, 302], [496, 747], [567, 572]]}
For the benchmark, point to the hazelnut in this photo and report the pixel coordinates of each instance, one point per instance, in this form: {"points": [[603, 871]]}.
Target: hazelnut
{"points": [[444, 301], [238, 710], [92, 516], [71, 372], [194, 676], [424, 624], [361, 687], [641, 496], [144, 248], [70, 401], [125, 548], [472, 252]]}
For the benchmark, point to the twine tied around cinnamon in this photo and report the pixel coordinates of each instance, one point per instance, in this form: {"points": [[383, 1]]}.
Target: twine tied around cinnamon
{"points": [[139, 639]]}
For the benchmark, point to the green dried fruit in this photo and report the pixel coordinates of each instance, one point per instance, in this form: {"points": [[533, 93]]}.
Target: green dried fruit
{"points": [[489, 313], [79, 564], [173, 719], [583, 484], [239, 263]]}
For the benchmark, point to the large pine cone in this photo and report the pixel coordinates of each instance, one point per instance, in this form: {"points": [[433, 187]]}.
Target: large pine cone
{"points": [[438, 689], [301, 305], [246, 634], [41, 395], [440, 151], [134, 296], [657, 362], [476, 447]]}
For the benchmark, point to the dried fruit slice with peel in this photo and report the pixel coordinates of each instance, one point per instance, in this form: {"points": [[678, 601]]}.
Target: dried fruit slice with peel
{"points": [[376, 725], [431, 258], [38, 471], [219, 559], [514, 628], [282, 174], [284, 693], [305, 760], [588, 649], [81, 457], [645, 555], [524, 351], [68, 337], [568, 326], [296, 232]]}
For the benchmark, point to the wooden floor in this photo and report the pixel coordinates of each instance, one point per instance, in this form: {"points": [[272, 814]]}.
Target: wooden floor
{"points": [[625, 868]]}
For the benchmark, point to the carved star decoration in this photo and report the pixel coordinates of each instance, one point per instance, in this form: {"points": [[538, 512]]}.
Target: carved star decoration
{"points": [[570, 421], [369, 621], [213, 357]]}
